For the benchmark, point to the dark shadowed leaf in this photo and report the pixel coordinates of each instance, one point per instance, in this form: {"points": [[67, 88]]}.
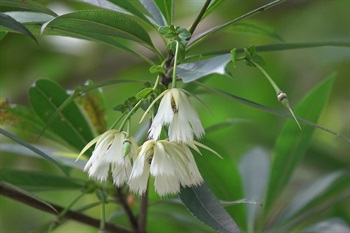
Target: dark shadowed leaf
{"points": [[154, 11], [46, 97], [10, 23], [189, 72], [32, 148], [28, 5], [39, 180], [293, 142], [254, 168], [203, 204]]}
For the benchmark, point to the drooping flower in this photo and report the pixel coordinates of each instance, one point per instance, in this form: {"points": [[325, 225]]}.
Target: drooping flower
{"points": [[108, 154], [172, 164], [176, 110]]}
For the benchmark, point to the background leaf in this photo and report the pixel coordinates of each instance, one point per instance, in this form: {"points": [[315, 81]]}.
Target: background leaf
{"points": [[8, 22], [293, 143], [167, 9], [316, 190], [38, 180], [255, 28], [189, 72], [154, 11], [46, 97], [202, 203], [32, 148], [28, 5], [254, 168]]}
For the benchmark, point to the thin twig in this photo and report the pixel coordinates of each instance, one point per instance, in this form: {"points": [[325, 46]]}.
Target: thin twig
{"points": [[199, 17], [143, 212], [126, 207], [10, 192]]}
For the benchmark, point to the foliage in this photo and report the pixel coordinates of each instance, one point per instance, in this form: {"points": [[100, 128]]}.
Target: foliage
{"points": [[249, 190]]}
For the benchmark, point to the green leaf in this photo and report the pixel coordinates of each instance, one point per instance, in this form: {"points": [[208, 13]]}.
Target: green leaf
{"points": [[2, 35], [167, 9], [189, 72], [194, 40], [46, 97], [101, 24], [154, 11], [39, 180], [203, 204], [32, 148], [288, 46], [54, 154], [292, 143], [316, 190], [255, 28], [272, 111], [30, 17], [126, 5], [254, 168], [10, 23], [28, 5]]}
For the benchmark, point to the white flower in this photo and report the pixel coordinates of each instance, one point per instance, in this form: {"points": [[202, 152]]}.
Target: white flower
{"points": [[172, 164], [176, 111], [108, 153]]}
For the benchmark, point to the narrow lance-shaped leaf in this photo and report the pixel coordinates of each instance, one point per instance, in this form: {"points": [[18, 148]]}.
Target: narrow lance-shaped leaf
{"points": [[255, 28], [205, 34], [203, 204], [254, 168], [292, 142], [192, 71], [32, 148], [101, 22], [28, 5], [126, 5], [39, 180], [154, 11], [167, 9], [10, 23], [315, 190], [273, 111], [46, 97]]}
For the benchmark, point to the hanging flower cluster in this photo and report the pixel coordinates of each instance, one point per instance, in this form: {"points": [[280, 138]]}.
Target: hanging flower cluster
{"points": [[170, 161]]}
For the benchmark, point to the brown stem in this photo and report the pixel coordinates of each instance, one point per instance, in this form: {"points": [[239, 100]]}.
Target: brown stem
{"points": [[199, 17], [123, 202], [16, 194], [143, 212]]}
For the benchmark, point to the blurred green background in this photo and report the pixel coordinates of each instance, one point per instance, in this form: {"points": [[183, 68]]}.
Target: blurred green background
{"points": [[71, 62]]}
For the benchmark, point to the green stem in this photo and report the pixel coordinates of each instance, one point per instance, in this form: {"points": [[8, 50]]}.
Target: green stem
{"points": [[103, 217], [199, 17], [274, 85], [175, 64], [117, 121], [129, 114]]}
